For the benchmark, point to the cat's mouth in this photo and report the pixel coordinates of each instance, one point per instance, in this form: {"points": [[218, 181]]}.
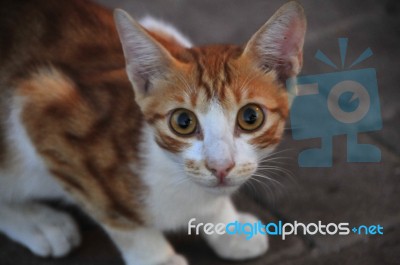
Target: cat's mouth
{"points": [[226, 185]]}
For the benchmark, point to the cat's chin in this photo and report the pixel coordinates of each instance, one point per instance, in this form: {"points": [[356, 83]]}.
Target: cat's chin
{"points": [[222, 190], [219, 189]]}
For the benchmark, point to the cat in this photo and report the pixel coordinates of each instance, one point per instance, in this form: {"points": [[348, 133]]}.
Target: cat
{"points": [[135, 125]]}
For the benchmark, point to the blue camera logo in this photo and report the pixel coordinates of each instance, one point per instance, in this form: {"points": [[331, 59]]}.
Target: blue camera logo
{"points": [[338, 103]]}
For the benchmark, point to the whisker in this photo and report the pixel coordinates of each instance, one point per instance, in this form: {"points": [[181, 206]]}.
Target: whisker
{"points": [[274, 163], [277, 152], [268, 178], [278, 186], [254, 193], [269, 191], [279, 172], [277, 160], [265, 171]]}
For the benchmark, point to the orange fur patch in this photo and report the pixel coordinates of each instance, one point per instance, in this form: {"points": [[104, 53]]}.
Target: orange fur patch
{"points": [[79, 109]]}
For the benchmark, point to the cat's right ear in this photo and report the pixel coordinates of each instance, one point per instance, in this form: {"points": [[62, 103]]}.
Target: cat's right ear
{"points": [[146, 59], [278, 44]]}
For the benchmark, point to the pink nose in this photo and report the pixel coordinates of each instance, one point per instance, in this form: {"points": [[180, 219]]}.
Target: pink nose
{"points": [[220, 170]]}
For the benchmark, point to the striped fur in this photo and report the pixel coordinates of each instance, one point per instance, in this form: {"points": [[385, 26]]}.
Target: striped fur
{"points": [[87, 119]]}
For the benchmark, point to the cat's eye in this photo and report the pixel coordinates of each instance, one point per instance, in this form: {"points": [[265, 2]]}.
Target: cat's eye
{"points": [[183, 122], [250, 117]]}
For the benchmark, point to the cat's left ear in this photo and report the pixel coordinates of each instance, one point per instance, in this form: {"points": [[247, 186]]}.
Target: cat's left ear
{"points": [[146, 59], [278, 44]]}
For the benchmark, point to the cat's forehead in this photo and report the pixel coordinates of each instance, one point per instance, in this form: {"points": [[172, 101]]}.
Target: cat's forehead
{"points": [[219, 73], [215, 53], [214, 62], [210, 75], [212, 72]]}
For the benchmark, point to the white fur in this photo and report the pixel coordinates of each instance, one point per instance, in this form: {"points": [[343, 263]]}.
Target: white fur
{"points": [[44, 231], [169, 187], [25, 175], [152, 23], [235, 247], [219, 148], [145, 246]]}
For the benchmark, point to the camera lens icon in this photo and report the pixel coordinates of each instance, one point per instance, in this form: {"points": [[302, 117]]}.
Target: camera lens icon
{"points": [[348, 101]]}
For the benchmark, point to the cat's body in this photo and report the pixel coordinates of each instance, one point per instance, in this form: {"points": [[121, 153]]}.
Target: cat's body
{"points": [[71, 129]]}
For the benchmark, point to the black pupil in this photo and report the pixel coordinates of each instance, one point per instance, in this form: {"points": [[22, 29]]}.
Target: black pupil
{"points": [[250, 116], [184, 120]]}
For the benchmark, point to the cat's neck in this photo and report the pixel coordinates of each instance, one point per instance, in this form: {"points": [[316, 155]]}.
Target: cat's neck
{"points": [[169, 199]]}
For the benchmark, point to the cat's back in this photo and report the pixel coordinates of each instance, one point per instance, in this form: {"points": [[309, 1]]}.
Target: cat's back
{"points": [[64, 92], [77, 34]]}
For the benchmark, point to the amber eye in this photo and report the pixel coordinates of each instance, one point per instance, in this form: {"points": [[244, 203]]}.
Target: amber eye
{"points": [[250, 117], [183, 122]]}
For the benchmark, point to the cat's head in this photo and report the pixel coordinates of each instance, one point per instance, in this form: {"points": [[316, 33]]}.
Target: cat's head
{"points": [[219, 110]]}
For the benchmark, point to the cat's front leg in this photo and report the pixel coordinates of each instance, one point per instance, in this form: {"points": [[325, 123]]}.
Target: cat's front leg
{"points": [[144, 246], [46, 232], [236, 246]]}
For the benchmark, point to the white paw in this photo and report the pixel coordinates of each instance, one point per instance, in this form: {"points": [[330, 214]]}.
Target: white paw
{"points": [[237, 247], [44, 231], [175, 260]]}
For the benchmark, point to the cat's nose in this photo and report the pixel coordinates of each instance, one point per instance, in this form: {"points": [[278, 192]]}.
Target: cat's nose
{"points": [[220, 170]]}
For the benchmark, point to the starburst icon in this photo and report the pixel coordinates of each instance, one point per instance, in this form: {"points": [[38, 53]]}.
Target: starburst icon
{"points": [[343, 43]]}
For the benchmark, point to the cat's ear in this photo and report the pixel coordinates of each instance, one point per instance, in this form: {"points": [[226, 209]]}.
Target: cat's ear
{"points": [[146, 59], [278, 44]]}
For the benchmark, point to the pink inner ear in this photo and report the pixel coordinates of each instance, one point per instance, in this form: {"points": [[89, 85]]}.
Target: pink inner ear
{"points": [[291, 49], [292, 43], [281, 42]]}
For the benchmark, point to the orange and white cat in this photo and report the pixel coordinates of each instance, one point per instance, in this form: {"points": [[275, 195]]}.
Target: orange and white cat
{"points": [[142, 148]]}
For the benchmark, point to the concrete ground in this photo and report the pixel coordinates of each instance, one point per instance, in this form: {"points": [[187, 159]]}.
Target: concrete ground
{"points": [[357, 193]]}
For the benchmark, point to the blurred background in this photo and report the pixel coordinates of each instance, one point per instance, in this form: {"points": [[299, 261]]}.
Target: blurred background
{"points": [[357, 193]]}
